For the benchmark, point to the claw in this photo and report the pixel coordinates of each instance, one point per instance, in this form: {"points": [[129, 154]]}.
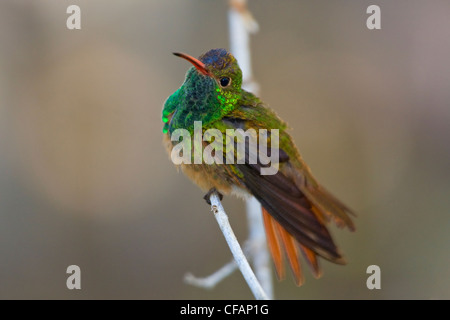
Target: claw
{"points": [[210, 192]]}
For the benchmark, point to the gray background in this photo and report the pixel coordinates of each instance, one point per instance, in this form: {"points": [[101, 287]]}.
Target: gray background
{"points": [[85, 180]]}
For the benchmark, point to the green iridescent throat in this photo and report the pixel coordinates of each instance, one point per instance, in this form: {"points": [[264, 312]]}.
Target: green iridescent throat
{"points": [[200, 98]]}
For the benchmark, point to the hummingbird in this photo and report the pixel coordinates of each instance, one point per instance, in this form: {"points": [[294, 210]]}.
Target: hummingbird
{"points": [[296, 209]]}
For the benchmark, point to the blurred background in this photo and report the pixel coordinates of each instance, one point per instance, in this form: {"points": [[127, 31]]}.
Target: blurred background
{"points": [[85, 180]]}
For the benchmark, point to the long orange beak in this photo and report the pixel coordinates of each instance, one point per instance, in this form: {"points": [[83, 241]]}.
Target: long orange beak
{"points": [[197, 63]]}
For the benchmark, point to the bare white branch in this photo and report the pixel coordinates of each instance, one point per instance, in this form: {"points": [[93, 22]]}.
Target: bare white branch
{"points": [[212, 280], [257, 242], [238, 254]]}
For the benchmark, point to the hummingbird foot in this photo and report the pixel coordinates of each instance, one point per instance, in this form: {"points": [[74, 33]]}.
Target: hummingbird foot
{"points": [[210, 192]]}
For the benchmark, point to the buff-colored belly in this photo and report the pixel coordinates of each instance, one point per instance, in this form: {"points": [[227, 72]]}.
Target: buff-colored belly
{"points": [[207, 176]]}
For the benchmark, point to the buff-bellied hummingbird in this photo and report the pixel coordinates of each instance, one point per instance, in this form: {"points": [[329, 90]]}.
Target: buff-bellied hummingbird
{"points": [[295, 207]]}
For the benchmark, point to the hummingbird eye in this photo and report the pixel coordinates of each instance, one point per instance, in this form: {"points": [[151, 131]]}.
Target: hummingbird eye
{"points": [[225, 82]]}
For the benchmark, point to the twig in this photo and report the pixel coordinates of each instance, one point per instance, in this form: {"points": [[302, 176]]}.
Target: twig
{"points": [[252, 250], [258, 246], [211, 281], [238, 254]]}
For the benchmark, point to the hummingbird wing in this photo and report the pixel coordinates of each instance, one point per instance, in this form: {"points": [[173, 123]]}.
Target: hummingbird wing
{"points": [[290, 222], [327, 205], [290, 208], [295, 210]]}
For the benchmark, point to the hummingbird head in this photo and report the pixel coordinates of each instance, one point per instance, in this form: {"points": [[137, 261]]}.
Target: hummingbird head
{"points": [[211, 90], [219, 65]]}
